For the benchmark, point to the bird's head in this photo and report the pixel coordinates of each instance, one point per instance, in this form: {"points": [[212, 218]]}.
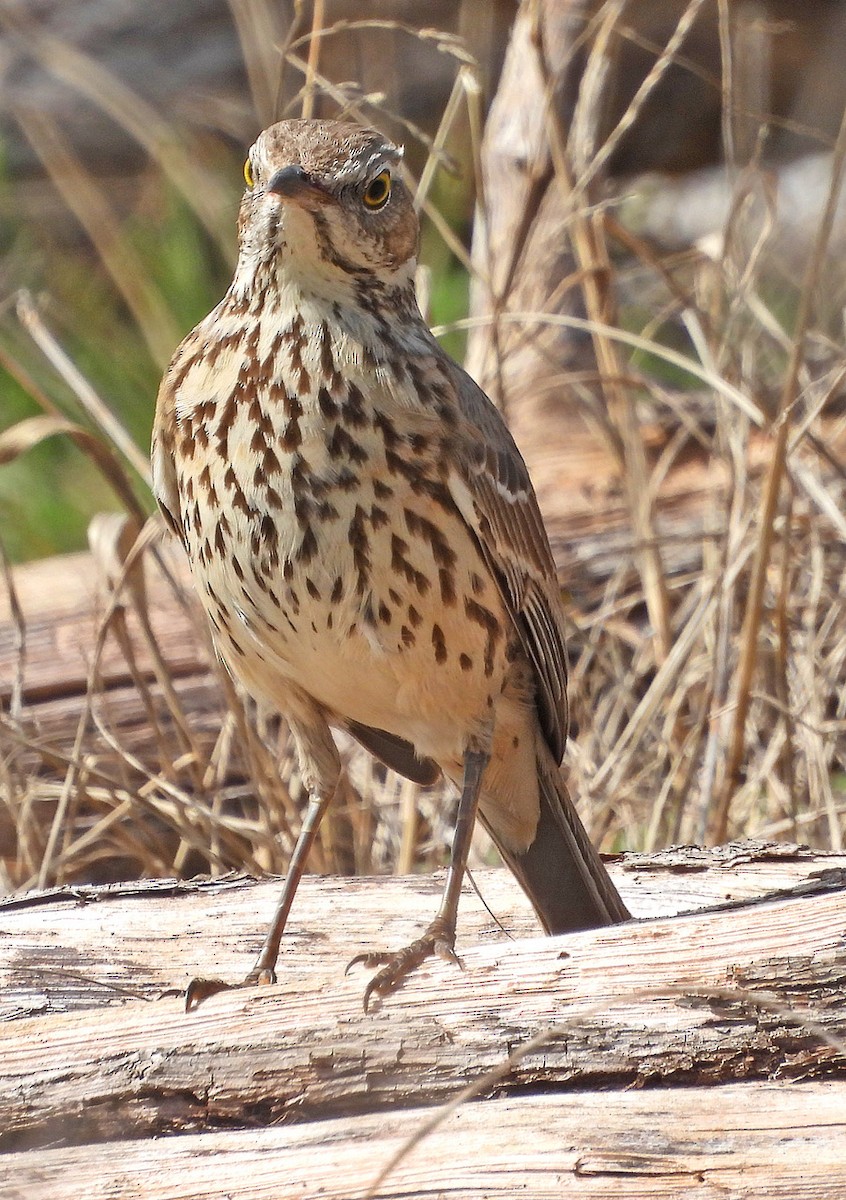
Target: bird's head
{"points": [[325, 206]]}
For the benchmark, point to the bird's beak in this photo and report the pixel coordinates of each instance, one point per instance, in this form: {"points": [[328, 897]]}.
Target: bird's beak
{"points": [[296, 186]]}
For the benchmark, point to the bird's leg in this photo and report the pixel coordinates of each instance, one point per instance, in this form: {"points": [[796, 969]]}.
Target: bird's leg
{"points": [[264, 969], [439, 937], [320, 769]]}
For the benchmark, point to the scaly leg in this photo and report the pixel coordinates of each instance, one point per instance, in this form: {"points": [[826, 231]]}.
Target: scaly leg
{"points": [[439, 937], [320, 769], [264, 970]]}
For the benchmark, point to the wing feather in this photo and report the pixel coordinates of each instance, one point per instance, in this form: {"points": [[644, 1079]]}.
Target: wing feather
{"points": [[491, 487], [165, 486]]}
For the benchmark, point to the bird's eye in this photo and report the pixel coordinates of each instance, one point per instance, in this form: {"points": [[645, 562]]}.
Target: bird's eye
{"points": [[249, 177], [378, 190]]}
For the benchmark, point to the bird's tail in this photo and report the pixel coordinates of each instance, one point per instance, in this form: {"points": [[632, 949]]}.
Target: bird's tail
{"points": [[561, 871]]}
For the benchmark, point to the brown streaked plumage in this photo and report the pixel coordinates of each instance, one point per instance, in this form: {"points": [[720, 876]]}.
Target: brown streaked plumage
{"points": [[363, 532]]}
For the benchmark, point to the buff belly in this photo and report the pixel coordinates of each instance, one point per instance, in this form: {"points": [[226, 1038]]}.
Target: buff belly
{"points": [[373, 627]]}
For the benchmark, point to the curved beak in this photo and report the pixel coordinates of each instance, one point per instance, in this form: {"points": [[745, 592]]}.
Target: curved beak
{"points": [[297, 186]]}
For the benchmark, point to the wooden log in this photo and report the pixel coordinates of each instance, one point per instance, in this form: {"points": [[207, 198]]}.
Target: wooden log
{"points": [[197, 923], [749, 1141], [63, 603], [107, 1056]]}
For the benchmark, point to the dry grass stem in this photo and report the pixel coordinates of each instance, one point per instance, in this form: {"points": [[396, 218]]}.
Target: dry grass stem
{"points": [[99, 412], [772, 489], [89, 205], [199, 187]]}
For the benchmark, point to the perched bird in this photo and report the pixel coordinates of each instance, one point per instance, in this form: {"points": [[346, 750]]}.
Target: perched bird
{"points": [[363, 533]]}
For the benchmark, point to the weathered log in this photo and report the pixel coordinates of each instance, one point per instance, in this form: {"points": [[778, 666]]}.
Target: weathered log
{"points": [[103, 1055], [64, 601], [749, 1141]]}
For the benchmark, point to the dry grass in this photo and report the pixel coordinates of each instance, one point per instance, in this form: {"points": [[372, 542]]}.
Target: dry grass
{"points": [[708, 667]]}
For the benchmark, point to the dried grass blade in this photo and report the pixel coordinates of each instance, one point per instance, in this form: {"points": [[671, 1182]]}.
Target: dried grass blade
{"points": [[88, 203], [97, 409], [772, 490], [199, 187], [26, 434]]}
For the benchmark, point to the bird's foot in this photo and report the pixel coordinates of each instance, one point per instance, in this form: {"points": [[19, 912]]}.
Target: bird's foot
{"points": [[397, 964], [199, 990]]}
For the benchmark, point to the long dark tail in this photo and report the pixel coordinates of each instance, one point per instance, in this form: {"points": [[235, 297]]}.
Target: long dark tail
{"points": [[561, 872]]}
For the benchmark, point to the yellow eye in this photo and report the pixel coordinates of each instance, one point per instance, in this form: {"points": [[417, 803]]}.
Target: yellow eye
{"points": [[249, 177], [378, 190]]}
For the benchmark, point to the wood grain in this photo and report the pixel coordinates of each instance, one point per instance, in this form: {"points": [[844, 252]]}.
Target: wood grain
{"points": [[749, 1141], [659, 1001]]}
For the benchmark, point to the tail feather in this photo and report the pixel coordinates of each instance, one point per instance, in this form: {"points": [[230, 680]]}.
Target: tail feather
{"points": [[561, 871]]}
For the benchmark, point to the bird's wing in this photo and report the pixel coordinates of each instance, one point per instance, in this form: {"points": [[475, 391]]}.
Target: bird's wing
{"points": [[396, 753], [492, 489], [162, 452]]}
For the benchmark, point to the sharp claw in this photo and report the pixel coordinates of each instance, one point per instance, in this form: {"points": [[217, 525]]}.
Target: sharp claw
{"points": [[447, 953], [373, 959], [390, 977], [368, 992], [395, 967], [199, 990]]}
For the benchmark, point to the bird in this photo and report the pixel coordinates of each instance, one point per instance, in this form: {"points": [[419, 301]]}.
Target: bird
{"points": [[364, 536]]}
